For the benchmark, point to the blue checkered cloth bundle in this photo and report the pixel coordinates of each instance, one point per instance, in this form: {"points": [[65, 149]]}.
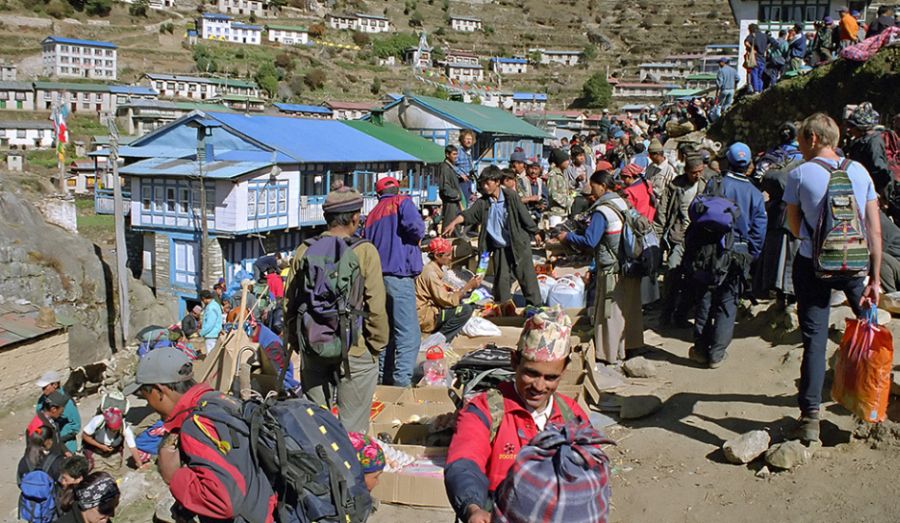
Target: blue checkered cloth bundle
{"points": [[562, 475]]}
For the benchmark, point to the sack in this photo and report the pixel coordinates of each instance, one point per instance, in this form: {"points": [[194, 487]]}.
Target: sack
{"points": [[478, 326], [639, 250], [568, 293], [562, 475], [709, 239], [305, 453], [892, 151], [862, 371], [37, 503], [113, 399], [331, 297], [840, 247]]}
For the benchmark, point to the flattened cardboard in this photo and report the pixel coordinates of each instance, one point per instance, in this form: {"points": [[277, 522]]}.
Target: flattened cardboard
{"points": [[389, 394], [396, 487]]}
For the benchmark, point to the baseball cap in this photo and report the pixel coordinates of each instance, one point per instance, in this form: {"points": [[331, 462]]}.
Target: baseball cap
{"points": [[51, 376], [160, 366], [56, 399], [384, 183], [738, 154]]}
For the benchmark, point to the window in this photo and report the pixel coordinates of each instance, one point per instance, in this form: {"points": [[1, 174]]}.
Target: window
{"points": [[170, 199], [184, 200], [158, 193], [20, 133], [792, 10], [146, 197], [184, 254], [4, 95]]}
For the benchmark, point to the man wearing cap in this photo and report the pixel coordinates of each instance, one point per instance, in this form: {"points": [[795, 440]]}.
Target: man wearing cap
{"points": [[759, 43], [716, 311], [848, 28], [395, 227], [673, 218], [49, 414], [354, 391], [506, 231], [448, 186], [559, 193], [69, 422], [518, 164], [726, 81], [866, 145], [190, 324], [439, 306], [495, 425], [660, 172], [531, 189], [824, 42], [204, 480]]}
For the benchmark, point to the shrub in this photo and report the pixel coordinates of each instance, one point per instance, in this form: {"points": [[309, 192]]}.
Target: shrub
{"points": [[361, 39], [317, 31], [315, 79]]}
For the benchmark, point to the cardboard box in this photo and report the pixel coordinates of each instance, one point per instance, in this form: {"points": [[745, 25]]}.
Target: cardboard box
{"points": [[425, 395], [404, 434], [403, 413], [388, 394], [415, 490]]}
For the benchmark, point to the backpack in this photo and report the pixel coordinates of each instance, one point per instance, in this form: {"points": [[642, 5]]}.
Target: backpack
{"points": [[840, 247], [331, 297], [497, 409], [303, 451], [481, 370], [639, 251], [709, 239], [892, 151], [37, 503]]}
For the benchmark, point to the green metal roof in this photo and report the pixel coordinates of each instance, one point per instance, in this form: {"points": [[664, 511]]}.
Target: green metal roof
{"points": [[234, 82], [201, 107], [72, 86], [400, 138], [286, 28], [240, 98], [677, 93], [702, 76], [482, 119]]}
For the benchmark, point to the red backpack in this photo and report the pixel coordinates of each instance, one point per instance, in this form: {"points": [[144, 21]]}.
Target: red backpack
{"points": [[892, 151]]}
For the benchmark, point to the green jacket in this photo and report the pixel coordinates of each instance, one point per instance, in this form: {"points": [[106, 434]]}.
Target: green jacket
{"points": [[559, 194], [521, 226], [69, 423]]}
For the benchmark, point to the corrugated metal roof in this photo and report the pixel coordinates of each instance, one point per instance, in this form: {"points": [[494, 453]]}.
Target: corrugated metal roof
{"points": [[530, 96], [301, 108], [217, 169], [75, 41], [481, 119], [400, 138], [25, 124], [148, 151], [295, 28], [502, 60], [683, 92], [132, 89], [353, 106], [239, 25], [16, 86], [19, 323], [230, 82], [72, 86], [216, 16], [310, 140]]}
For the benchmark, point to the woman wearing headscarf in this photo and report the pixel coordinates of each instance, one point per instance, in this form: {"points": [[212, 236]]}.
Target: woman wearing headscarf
{"points": [[95, 501]]}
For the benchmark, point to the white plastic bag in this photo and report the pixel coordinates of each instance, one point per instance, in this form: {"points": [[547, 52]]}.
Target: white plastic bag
{"points": [[478, 326]]}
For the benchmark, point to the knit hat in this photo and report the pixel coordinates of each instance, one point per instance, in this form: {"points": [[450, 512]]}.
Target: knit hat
{"points": [[384, 183], [828, 20], [738, 155], [545, 336], [561, 475], [518, 156], [368, 451], [197, 309], [603, 165], [864, 117], [112, 417], [558, 156], [342, 200], [632, 169], [439, 246]]}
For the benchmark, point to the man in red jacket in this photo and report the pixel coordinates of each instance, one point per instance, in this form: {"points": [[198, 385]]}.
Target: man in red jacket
{"points": [[494, 425], [638, 190]]}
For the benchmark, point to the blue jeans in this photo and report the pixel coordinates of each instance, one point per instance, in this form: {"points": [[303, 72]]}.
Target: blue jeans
{"points": [[756, 76], [466, 189], [716, 313], [397, 361], [726, 99], [813, 310]]}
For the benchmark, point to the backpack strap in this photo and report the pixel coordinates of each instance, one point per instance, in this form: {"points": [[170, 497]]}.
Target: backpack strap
{"points": [[564, 410], [496, 409]]}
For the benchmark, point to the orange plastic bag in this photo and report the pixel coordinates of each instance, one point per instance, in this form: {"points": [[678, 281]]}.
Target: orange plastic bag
{"points": [[862, 372]]}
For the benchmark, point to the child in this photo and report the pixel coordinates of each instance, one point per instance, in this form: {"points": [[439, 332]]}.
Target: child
{"points": [[74, 470], [104, 440], [36, 475], [371, 457], [95, 501]]}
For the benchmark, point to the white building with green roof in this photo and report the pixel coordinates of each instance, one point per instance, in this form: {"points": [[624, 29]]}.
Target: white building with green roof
{"points": [[287, 34], [198, 88]]}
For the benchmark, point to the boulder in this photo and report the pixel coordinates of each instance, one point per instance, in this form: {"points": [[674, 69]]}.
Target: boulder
{"points": [[639, 367], [746, 447], [788, 455], [634, 407], [895, 383]]}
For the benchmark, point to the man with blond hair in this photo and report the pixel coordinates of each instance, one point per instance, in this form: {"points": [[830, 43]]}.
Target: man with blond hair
{"points": [[805, 194]]}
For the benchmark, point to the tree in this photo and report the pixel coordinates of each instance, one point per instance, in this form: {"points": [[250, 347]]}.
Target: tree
{"points": [[375, 88], [534, 57], [267, 77], [596, 91], [394, 45], [139, 8], [284, 61], [589, 53], [203, 60], [361, 39], [98, 7], [315, 79], [252, 18], [416, 20], [441, 93], [317, 31]]}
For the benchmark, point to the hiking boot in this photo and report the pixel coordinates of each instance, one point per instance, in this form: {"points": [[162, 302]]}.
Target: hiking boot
{"points": [[697, 357], [717, 364], [807, 429]]}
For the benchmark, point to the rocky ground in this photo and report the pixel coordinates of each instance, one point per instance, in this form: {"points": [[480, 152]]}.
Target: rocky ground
{"points": [[670, 466]]}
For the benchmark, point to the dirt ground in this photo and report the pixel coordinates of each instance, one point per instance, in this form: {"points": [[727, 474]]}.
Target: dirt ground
{"points": [[669, 466]]}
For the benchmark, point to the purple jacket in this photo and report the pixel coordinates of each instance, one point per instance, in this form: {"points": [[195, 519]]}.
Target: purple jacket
{"points": [[395, 227]]}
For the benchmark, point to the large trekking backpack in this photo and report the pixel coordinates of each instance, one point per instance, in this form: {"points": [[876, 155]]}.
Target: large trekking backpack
{"points": [[331, 297], [37, 503], [840, 247], [709, 239], [639, 251], [304, 452], [892, 151]]}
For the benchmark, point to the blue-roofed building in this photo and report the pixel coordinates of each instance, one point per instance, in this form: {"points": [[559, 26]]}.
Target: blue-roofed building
{"points": [[215, 26], [502, 65], [304, 111], [74, 58], [265, 179], [528, 102]]}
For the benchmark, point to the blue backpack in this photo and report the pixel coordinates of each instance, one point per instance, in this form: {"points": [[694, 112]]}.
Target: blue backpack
{"points": [[304, 452], [37, 503], [709, 239]]}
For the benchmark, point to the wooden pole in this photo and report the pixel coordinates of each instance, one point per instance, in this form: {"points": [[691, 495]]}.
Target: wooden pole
{"points": [[204, 238], [121, 249]]}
